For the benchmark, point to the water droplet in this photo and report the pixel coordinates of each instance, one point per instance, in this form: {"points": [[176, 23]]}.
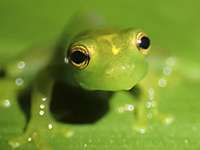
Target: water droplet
{"points": [[130, 107], [171, 61], [6, 103], [123, 68], [110, 71], [29, 139], [125, 108], [42, 106], [186, 141], [85, 145], [149, 104], [19, 81], [69, 134], [151, 93], [168, 120], [50, 126], [142, 130], [44, 99], [41, 112], [21, 65], [162, 82], [66, 60], [14, 144], [167, 70]]}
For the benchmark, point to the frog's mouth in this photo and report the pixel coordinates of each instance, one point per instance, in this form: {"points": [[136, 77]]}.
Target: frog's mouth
{"points": [[118, 78]]}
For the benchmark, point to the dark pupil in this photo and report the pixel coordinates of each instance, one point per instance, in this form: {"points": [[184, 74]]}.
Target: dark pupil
{"points": [[145, 42], [78, 57]]}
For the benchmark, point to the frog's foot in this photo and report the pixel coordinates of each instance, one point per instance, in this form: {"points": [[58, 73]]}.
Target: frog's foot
{"points": [[28, 137], [40, 134]]}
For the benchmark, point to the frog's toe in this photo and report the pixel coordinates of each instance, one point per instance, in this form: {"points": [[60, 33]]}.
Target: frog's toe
{"points": [[30, 137], [39, 136], [20, 141], [14, 143]]}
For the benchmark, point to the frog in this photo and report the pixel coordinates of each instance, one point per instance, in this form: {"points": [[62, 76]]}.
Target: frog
{"points": [[88, 56]]}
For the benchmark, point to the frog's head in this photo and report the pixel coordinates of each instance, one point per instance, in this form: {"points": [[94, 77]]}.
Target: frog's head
{"points": [[111, 61]]}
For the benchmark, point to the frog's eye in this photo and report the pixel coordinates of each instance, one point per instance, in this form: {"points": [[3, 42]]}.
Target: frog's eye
{"points": [[78, 56], [143, 42]]}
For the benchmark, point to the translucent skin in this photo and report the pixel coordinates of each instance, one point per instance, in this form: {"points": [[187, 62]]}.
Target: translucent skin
{"points": [[115, 61], [116, 64]]}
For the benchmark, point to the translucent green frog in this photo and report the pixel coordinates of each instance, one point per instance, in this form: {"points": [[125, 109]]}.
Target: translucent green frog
{"points": [[90, 57]]}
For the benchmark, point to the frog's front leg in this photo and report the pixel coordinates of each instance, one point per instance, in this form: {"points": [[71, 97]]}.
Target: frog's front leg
{"points": [[147, 108], [140, 112], [41, 123], [152, 105]]}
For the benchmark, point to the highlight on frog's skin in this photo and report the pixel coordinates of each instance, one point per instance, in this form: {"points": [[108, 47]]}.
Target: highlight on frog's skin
{"points": [[78, 56], [143, 42]]}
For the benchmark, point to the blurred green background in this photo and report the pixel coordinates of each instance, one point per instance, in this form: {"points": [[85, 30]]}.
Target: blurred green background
{"points": [[173, 26]]}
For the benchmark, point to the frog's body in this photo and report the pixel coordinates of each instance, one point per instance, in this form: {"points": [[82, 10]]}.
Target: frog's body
{"points": [[96, 59]]}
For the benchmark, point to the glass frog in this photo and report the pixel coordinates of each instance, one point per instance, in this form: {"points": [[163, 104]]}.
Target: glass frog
{"points": [[90, 57]]}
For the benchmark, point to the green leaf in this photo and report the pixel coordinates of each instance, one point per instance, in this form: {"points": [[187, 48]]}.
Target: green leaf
{"points": [[172, 25]]}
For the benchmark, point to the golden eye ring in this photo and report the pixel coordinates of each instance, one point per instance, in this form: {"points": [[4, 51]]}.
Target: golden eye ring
{"points": [[143, 43], [78, 56]]}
